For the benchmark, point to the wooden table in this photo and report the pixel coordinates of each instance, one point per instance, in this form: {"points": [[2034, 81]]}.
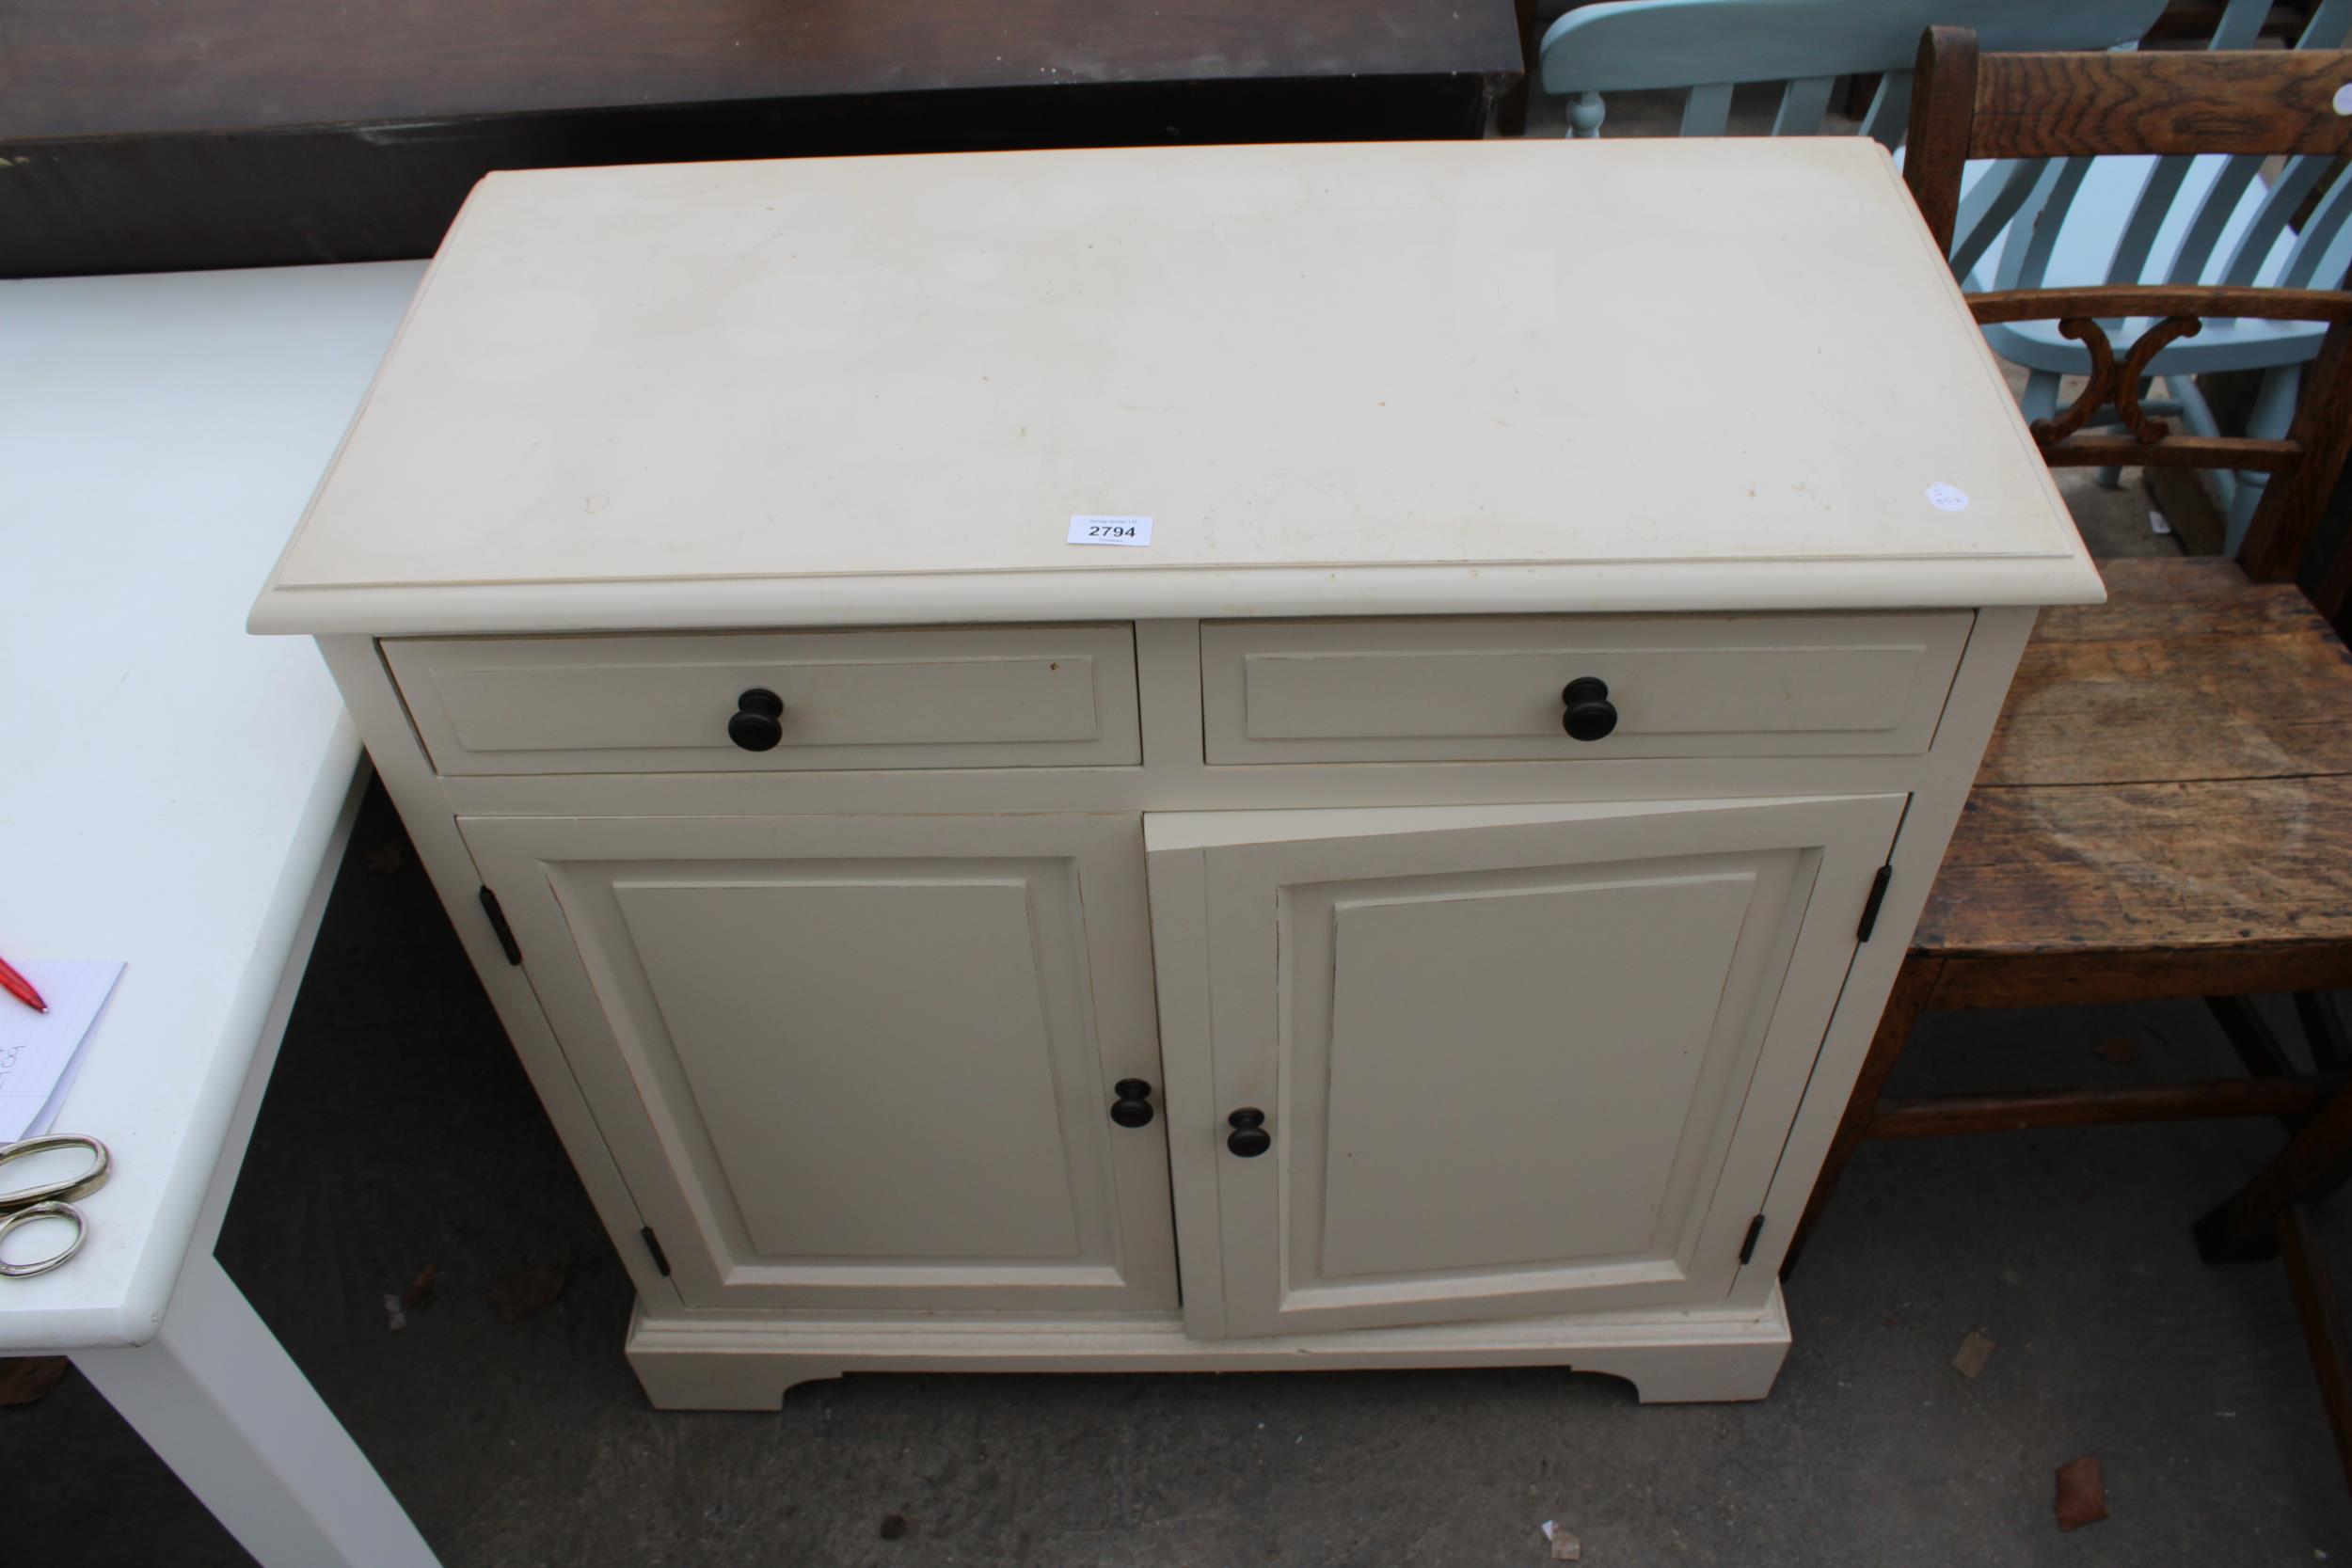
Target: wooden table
{"points": [[176, 794], [242, 132]]}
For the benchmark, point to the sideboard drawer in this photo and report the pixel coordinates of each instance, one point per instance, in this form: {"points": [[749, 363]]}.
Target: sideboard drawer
{"points": [[955, 697], [1492, 688]]}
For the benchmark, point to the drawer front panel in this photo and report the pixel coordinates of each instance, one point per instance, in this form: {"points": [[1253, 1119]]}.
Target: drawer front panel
{"points": [[959, 697], [1490, 690]]}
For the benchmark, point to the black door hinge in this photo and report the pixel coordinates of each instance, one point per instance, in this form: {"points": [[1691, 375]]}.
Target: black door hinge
{"points": [[1747, 1248], [1871, 905], [498, 924], [653, 1244]]}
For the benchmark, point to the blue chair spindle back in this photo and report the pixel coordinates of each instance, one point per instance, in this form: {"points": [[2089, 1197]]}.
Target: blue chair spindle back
{"points": [[2171, 228], [2046, 188], [1707, 47]]}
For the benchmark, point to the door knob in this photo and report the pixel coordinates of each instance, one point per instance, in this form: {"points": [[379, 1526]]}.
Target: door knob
{"points": [[1591, 714], [1249, 1138], [758, 721], [1133, 1108]]}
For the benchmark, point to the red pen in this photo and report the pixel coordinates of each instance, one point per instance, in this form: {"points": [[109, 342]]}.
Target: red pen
{"points": [[20, 987]]}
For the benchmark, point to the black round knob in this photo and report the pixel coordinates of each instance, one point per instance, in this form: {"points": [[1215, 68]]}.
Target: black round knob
{"points": [[1591, 714], [758, 721], [1133, 1108], [1249, 1138]]}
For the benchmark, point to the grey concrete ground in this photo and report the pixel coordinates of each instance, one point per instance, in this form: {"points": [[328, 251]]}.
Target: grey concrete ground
{"points": [[399, 1134]]}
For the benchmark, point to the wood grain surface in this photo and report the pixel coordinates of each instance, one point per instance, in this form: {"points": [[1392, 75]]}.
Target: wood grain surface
{"points": [[2190, 102], [1943, 106], [261, 131], [2150, 866], [104, 68], [2174, 452], [2173, 772], [2259, 685], [2160, 299], [2280, 536]]}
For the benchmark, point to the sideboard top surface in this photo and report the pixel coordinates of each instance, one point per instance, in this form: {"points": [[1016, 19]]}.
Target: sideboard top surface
{"points": [[1338, 378]]}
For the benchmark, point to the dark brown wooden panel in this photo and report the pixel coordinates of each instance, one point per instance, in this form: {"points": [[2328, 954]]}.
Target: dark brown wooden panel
{"points": [[2315, 1163], [260, 132], [2156, 596], [2160, 299], [101, 67], [1942, 1116], [2188, 675], [2060, 979], [1942, 100], [2278, 539], [2154, 868], [2058, 105], [2174, 452]]}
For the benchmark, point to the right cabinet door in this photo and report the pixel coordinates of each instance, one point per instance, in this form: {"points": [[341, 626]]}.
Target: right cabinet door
{"points": [[1512, 1060]]}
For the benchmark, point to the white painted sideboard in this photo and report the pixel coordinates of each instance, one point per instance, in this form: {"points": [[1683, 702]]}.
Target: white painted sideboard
{"points": [[1411, 910]]}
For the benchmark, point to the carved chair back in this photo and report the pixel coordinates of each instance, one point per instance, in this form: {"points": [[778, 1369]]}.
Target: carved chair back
{"points": [[2246, 103], [1707, 47], [2207, 215], [2028, 223]]}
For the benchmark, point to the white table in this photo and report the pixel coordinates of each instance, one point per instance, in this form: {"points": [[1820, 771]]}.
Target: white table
{"points": [[176, 794]]}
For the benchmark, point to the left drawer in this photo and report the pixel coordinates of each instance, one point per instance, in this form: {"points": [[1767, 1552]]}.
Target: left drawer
{"points": [[934, 697]]}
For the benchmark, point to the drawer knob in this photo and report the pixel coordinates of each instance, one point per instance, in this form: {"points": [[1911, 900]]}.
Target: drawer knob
{"points": [[758, 721], [1249, 1138], [1591, 714], [1133, 1108]]}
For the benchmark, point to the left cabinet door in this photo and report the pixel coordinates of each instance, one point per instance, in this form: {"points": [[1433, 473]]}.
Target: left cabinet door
{"points": [[860, 1063]]}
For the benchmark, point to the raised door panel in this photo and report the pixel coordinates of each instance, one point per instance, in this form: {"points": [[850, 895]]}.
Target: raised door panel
{"points": [[1515, 1060], [859, 1063], [1603, 1043]]}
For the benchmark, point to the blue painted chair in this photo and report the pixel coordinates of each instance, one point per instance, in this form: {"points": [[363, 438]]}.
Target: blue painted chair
{"points": [[1707, 47], [2042, 223]]}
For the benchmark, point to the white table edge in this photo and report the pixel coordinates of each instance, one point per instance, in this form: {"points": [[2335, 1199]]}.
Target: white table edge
{"points": [[221, 1119]]}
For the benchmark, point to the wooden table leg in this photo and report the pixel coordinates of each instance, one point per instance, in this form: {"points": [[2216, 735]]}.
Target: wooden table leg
{"points": [[2323, 1326], [1914, 984], [2316, 1160], [2323, 1029], [1511, 114]]}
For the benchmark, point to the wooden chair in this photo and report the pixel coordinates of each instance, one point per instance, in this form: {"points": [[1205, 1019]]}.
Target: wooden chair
{"points": [[1705, 48], [2036, 223], [2166, 807], [2028, 223]]}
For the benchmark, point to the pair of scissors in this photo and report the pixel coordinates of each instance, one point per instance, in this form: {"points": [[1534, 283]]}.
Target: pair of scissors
{"points": [[50, 1200]]}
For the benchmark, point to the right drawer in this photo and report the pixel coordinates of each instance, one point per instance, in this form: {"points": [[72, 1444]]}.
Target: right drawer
{"points": [[1491, 689]]}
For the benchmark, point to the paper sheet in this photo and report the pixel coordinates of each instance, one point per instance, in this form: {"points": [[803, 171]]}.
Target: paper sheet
{"points": [[40, 1052]]}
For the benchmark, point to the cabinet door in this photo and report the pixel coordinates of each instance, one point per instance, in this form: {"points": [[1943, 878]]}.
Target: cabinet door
{"points": [[859, 1063], [1515, 1060]]}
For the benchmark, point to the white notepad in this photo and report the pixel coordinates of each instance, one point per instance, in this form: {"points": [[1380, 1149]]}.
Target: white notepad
{"points": [[40, 1052]]}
